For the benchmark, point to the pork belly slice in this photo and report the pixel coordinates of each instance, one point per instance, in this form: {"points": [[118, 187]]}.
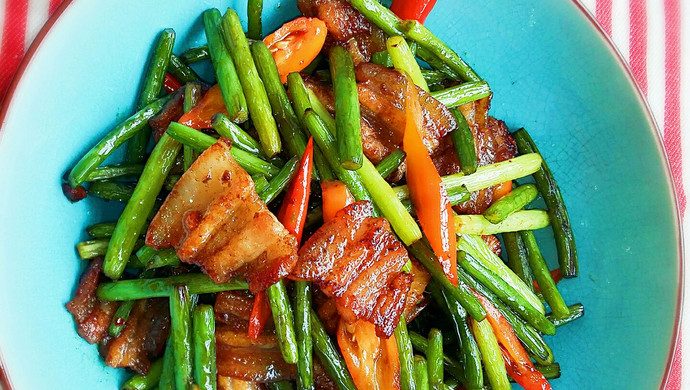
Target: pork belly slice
{"points": [[228, 383], [357, 259], [377, 141], [381, 93], [172, 111], [256, 364], [240, 358], [382, 98], [416, 301], [382, 101], [347, 27], [493, 143], [232, 306], [237, 355], [91, 315], [214, 218], [143, 337], [493, 243]]}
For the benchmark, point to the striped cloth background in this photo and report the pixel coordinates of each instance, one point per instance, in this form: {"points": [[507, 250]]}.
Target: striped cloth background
{"points": [[647, 33]]}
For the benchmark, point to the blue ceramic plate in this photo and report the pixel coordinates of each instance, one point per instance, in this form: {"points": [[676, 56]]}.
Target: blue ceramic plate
{"points": [[551, 70]]}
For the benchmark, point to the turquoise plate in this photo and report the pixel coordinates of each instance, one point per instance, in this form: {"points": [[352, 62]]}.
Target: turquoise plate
{"points": [[551, 70]]}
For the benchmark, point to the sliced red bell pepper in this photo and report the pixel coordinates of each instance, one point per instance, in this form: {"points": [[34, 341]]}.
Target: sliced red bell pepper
{"points": [[170, 83], [412, 9], [371, 360], [518, 363], [427, 192], [335, 196], [556, 275], [520, 377], [211, 104], [292, 214]]}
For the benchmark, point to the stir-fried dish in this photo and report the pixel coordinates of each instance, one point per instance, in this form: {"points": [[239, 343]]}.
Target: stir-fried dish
{"points": [[335, 209]]}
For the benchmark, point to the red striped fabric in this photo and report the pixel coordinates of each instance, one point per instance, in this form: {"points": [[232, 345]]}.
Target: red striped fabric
{"points": [[13, 46], [13, 38], [638, 42], [672, 139], [52, 6], [603, 14]]}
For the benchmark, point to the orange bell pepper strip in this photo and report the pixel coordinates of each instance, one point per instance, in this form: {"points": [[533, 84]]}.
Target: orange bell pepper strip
{"points": [[335, 196], [518, 363], [427, 191], [503, 189], [295, 45], [170, 83], [371, 360], [210, 104], [292, 214]]}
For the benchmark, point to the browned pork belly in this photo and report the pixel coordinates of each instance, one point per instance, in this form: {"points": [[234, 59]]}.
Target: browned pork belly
{"points": [[382, 98], [493, 143], [228, 383], [242, 361], [382, 101], [493, 243], [377, 141], [357, 259], [327, 309], [214, 218], [143, 337], [172, 111], [416, 301], [239, 356], [91, 315], [346, 27]]}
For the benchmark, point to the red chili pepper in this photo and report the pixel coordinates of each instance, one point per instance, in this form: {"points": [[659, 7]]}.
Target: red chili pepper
{"points": [[171, 84], [522, 377], [412, 9], [292, 214], [556, 275], [335, 196], [261, 313], [201, 115], [427, 192], [73, 194], [518, 363]]}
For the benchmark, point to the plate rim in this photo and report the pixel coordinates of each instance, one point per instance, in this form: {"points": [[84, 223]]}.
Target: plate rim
{"points": [[642, 99], [5, 381]]}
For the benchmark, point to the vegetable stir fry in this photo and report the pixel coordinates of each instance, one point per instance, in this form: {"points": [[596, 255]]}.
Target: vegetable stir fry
{"points": [[325, 214]]}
